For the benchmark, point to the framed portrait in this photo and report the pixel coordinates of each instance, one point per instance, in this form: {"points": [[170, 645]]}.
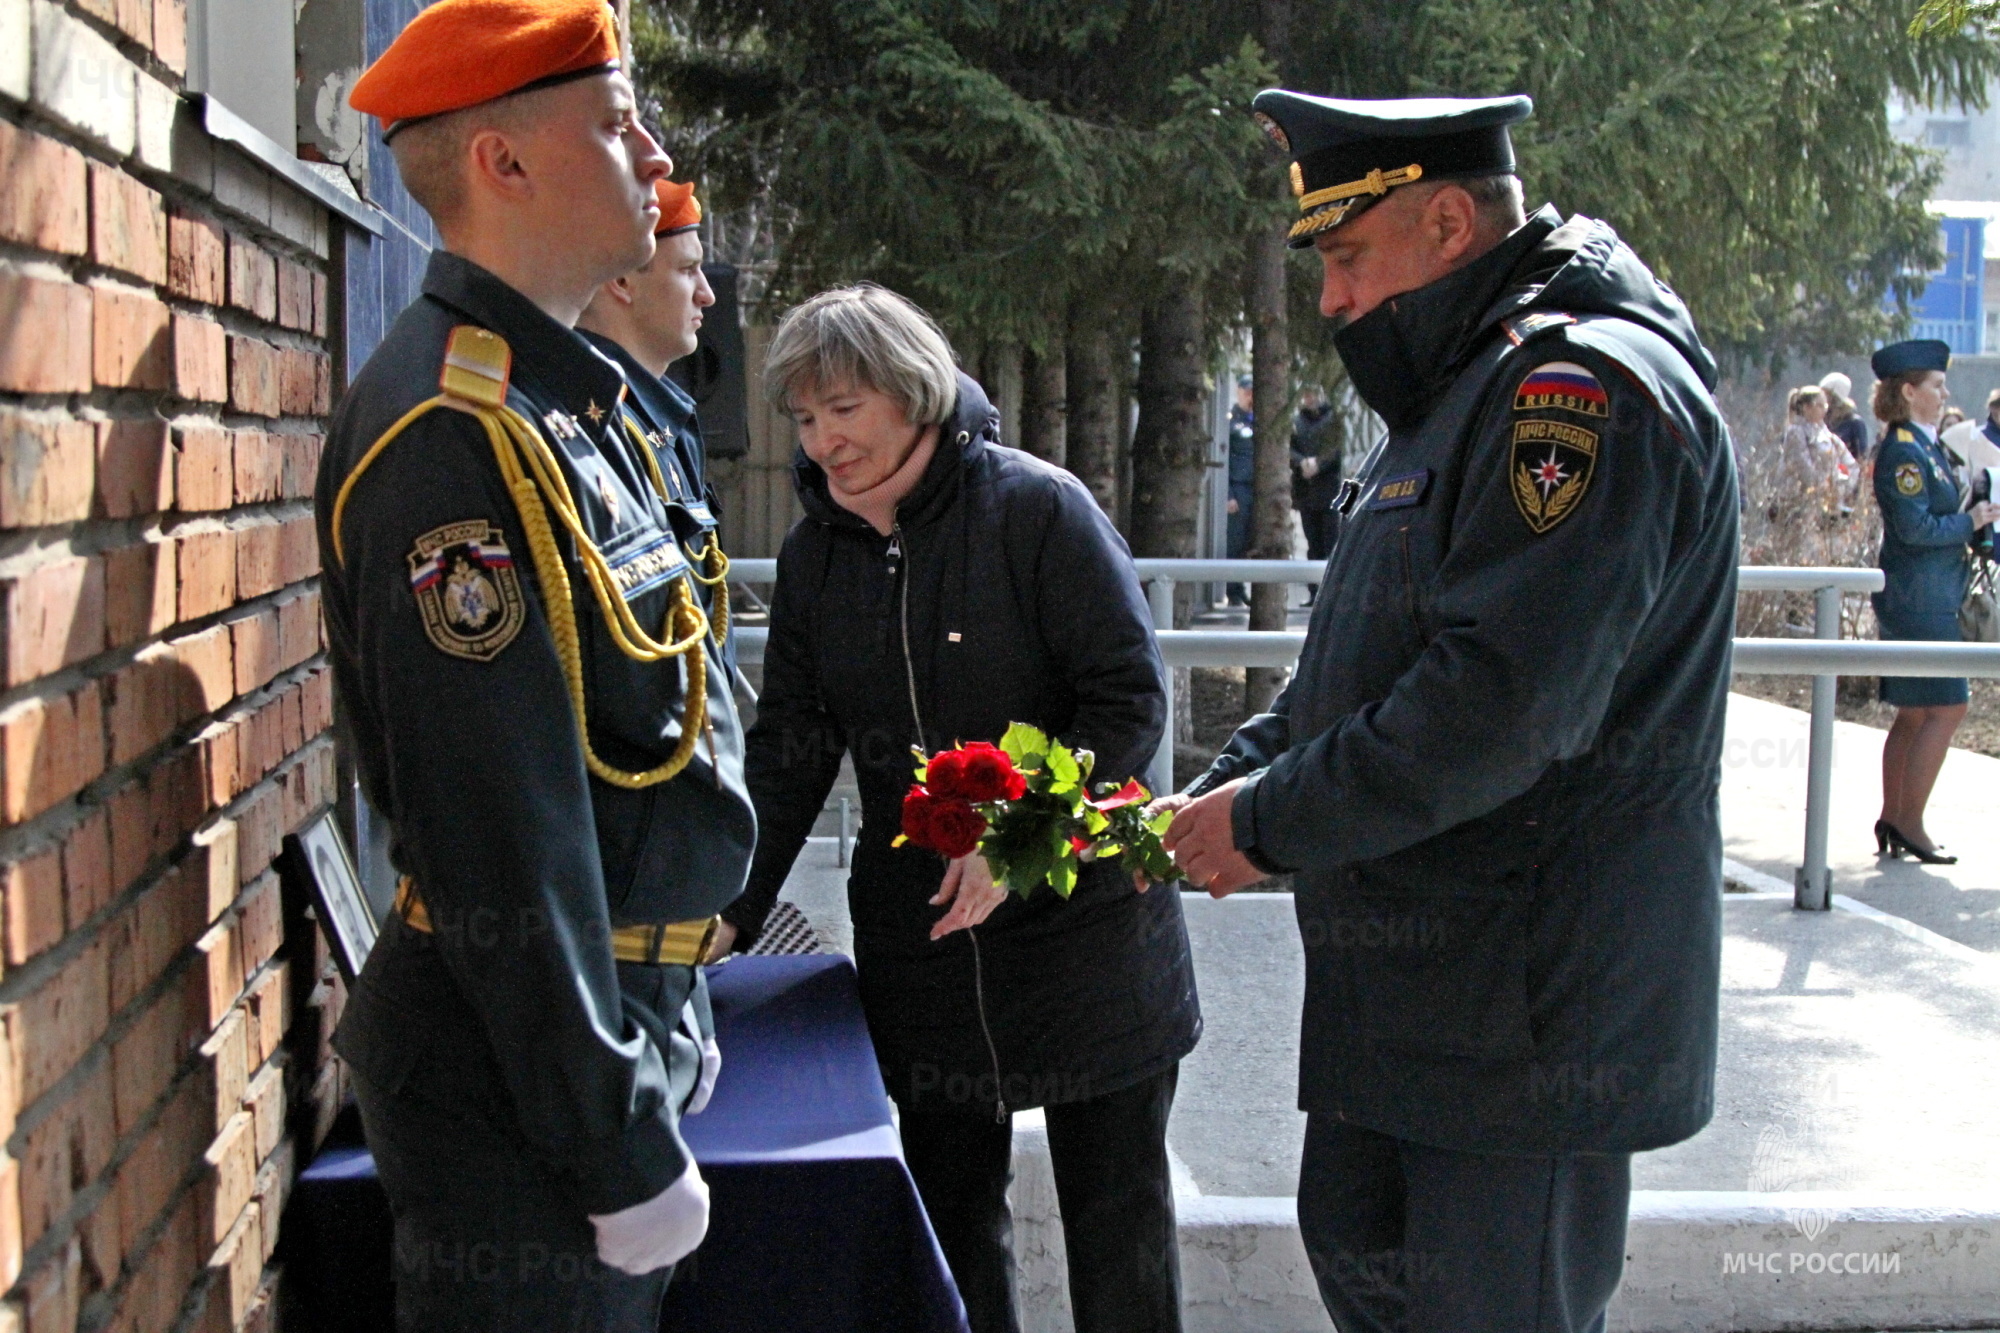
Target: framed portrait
{"points": [[316, 859]]}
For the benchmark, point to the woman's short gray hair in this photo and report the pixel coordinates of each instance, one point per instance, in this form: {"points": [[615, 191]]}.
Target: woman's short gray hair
{"points": [[869, 337]]}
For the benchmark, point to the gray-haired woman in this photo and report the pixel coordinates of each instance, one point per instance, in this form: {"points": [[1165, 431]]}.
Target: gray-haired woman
{"points": [[940, 587]]}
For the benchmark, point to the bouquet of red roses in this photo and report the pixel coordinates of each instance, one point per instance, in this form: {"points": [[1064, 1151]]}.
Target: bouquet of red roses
{"points": [[1026, 806]]}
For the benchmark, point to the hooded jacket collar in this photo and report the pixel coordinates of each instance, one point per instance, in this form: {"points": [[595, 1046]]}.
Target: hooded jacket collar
{"points": [[1403, 354], [972, 425]]}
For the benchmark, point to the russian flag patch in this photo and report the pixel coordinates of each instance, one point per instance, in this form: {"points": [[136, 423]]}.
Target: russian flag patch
{"points": [[1561, 386]]}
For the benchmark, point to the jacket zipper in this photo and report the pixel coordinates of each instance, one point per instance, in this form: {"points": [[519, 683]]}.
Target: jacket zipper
{"points": [[898, 559]]}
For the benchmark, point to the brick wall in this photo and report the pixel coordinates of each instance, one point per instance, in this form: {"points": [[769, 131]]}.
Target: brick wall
{"points": [[164, 704]]}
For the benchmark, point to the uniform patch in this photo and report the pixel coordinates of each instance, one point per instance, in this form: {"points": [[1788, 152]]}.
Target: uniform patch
{"points": [[1550, 467], [1273, 131], [1909, 479], [1563, 386], [467, 590], [1402, 491], [647, 565]]}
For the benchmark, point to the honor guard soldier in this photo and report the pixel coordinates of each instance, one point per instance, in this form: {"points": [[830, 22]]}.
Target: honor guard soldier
{"points": [[524, 629], [1494, 773]]}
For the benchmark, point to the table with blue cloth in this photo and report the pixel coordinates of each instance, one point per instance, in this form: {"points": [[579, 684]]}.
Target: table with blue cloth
{"points": [[814, 1221]]}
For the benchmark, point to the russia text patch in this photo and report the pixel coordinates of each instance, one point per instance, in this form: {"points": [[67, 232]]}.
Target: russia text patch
{"points": [[1561, 386]]}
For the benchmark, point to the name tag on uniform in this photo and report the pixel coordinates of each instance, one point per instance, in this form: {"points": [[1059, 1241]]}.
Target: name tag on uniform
{"points": [[647, 564], [1400, 492], [700, 512]]}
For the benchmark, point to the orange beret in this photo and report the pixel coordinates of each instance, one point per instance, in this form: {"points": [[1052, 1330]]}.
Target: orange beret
{"points": [[459, 53], [679, 210]]}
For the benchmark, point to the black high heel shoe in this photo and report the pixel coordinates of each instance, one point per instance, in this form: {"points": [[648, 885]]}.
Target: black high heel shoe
{"points": [[1881, 837], [1899, 845]]}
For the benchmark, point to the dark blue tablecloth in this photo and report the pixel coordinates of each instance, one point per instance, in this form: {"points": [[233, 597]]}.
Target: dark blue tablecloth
{"points": [[815, 1223]]}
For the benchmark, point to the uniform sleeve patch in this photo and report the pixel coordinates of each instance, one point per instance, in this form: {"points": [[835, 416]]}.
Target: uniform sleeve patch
{"points": [[1561, 386], [1909, 479], [467, 589], [1550, 468]]}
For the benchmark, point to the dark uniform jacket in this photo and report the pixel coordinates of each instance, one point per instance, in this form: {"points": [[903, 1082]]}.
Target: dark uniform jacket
{"points": [[1022, 606], [460, 720], [1313, 437], [1924, 559], [1495, 770]]}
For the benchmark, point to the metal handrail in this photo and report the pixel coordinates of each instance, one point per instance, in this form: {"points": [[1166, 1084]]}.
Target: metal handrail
{"points": [[1750, 578]]}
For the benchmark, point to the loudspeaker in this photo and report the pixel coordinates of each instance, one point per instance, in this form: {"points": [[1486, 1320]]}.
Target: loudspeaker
{"points": [[713, 373]]}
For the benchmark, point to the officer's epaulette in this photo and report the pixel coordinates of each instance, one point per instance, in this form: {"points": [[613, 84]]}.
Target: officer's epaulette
{"points": [[477, 363], [1520, 328], [1902, 434]]}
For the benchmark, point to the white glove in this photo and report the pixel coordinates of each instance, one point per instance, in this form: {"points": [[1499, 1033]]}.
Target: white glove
{"points": [[663, 1230], [711, 1062]]}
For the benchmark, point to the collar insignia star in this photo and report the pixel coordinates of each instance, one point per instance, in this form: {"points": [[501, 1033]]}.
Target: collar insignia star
{"points": [[594, 412]]}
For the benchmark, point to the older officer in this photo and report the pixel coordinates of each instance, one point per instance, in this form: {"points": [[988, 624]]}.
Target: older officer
{"points": [[1495, 771], [523, 658], [1925, 533]]}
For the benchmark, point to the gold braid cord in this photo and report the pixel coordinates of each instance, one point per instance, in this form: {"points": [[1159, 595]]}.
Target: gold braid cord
{"points": [[712, 570], [535, 481]]}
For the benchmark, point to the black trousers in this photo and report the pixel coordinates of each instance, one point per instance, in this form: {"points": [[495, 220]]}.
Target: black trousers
{"points": [[487, 1239], [1110, 1159], [1409, 1239]]}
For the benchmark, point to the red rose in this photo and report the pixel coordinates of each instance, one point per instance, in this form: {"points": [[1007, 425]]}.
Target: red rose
{"points": [[975, 772], [946, 825]]}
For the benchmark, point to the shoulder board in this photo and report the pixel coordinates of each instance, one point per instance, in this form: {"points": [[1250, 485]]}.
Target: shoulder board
{"points": [[477, 363], [1902, 434], [1520, 328]]}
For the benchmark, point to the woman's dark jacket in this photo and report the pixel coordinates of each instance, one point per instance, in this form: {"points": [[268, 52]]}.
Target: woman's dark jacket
{"points": [[1022, 606]]}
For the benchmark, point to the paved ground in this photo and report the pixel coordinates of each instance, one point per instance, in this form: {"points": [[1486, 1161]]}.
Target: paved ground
{"points": [[1858, 1057]]}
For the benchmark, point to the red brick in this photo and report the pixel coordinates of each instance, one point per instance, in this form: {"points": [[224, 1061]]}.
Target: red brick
{"points": [[204, 468], [253, 277], [144, 702], [270, 1004], [259, 832], [130, 813], [217, 744], [10, 1235], [133, 339], [253, 377], [226, 1053], [238, 1266], [298, 630], [201, 359], [64, 1154], [195, 258], [161, 922], [258, 550], [261, 930], [86, 858], [166, 1273], [223, 962], [132, 17], [128, 225], [47, 349], [207, 572], [322, 385], [32, 899], [297, 385], [260, 466], [216, 843], [145, 1060], [208, 672], [46, 468], [140, 597], [49, 748], [232, 1159], [170, 34], [295, 295], [257, 750], [294, 727], [103, 1243], [254, 644], [51, 616], [135, 472], [43, 205], [301, 469], [61, 1019], [319, 305], [50, 1295], [298, 550]]}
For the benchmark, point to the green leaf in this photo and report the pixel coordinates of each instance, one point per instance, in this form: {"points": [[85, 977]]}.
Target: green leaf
{"points": [[1063, 766], [1062, 876], [1023, 741]]}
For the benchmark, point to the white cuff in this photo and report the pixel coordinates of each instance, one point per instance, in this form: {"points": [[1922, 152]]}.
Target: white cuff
{"points": [[661, 1231]]}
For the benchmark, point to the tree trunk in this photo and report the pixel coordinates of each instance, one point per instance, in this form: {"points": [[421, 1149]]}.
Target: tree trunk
{"points": [[1045, 403], [1002, 382], [1170, 444], [1271, 512], [1094, 415]]}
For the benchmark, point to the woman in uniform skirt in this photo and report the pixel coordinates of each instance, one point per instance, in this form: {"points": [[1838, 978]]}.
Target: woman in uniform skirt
{"points": [[1925, 568]]}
